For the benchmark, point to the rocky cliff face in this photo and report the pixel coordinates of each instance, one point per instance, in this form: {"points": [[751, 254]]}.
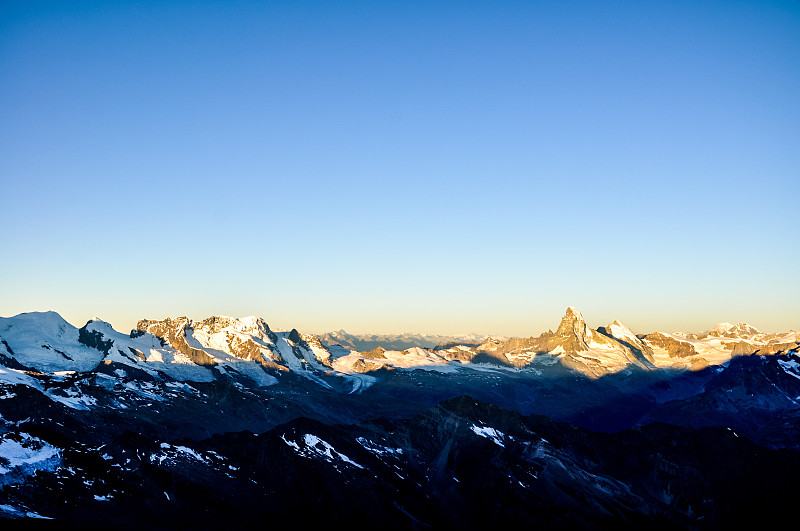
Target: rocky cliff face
{"points": [[572, 333], [675, 347], [173, 333], [777, 348], [742, 348], [249, 339]]}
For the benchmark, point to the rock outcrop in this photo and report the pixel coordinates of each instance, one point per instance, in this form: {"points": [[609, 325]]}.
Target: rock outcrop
{"points": [[674, 347], [173, 333]]}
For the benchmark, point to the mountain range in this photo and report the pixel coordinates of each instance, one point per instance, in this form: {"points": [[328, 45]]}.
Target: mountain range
{"points": [[365, 342], [227, 422]]}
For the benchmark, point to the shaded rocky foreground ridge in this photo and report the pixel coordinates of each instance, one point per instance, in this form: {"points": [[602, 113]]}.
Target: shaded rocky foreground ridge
{"points": [[462, 465], [226, 423]]}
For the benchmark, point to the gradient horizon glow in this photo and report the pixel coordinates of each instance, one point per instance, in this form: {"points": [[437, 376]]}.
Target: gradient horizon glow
{"points": [[439, 167]]}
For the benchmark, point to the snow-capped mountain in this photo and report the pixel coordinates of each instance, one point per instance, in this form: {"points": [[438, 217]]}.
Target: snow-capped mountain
{"points": [[45, 342], [615, 348], [178, 349], [247, 349], [739, 330], [224, 422], [743, 331]]}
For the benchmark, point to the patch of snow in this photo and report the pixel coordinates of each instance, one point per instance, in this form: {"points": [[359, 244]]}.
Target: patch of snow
{"points": [[17, 512], [74, 399], [326, 450], [291, 443], [14, 376], [489, 433], [189, 452], [791, 367], [377, 448], [314, 446], [22, 454], [174, 453]]}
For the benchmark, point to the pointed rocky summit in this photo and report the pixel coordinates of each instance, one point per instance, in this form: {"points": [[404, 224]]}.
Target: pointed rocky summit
{"points": [[572, 334]]}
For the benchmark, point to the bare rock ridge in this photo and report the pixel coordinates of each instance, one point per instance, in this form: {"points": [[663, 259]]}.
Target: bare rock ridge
{"points": [[676, 348], [174, 333], [247, 347]]}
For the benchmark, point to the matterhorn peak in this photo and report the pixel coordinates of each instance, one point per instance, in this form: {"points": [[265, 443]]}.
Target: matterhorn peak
{"points": [[571, 323]]}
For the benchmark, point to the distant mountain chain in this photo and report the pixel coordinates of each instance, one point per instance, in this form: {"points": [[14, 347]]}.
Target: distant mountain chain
{"points": [[187, 350], [225, 423], [365, 342]]}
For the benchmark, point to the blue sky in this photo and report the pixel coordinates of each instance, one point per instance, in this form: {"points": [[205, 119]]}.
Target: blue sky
{"points": [[402, 166]]}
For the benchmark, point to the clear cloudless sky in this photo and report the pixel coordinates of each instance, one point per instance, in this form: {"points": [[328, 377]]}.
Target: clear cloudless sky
{"points": [[402, 166]]}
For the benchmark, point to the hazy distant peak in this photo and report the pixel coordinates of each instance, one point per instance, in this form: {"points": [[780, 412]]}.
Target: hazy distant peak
{"points": [[739, 330], [399, 342], [744, 328]]}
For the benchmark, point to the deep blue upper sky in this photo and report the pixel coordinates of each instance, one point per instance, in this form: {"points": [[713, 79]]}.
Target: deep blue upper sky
{"points": [[390, 166]]}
